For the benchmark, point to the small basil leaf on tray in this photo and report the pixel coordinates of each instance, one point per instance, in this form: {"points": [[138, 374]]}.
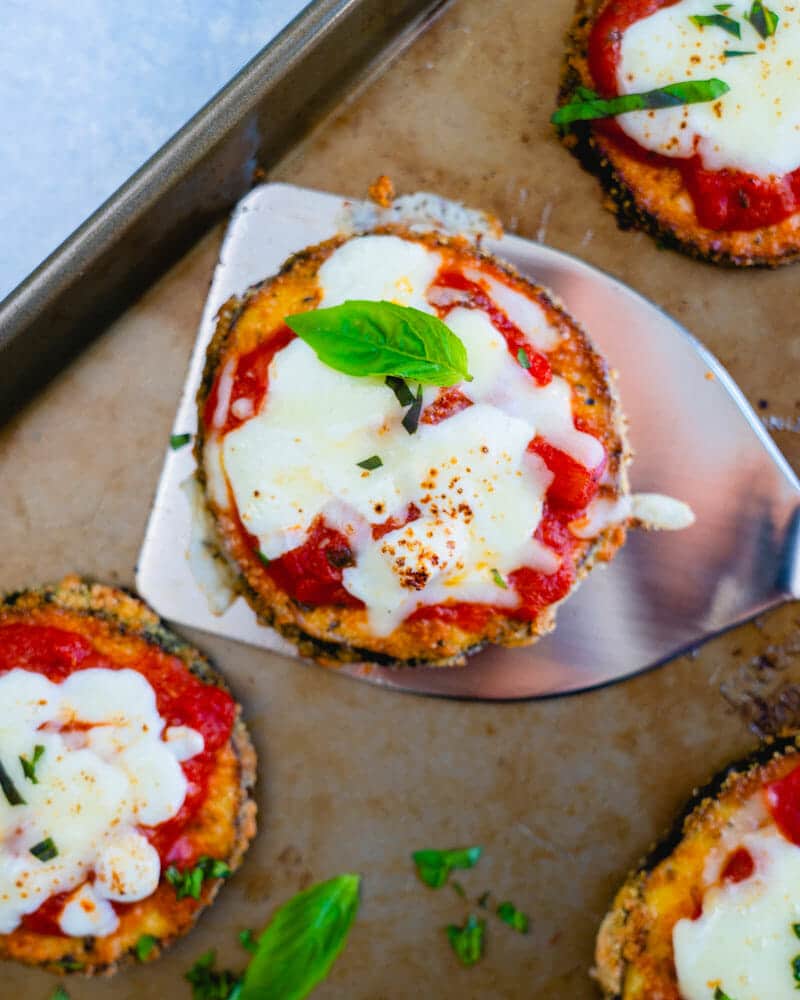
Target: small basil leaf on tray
{"points": [[717, 21], [515, 918], [209, 983], [59, 993], [382, 338], [301, 942], [248, 940], [673, 95], [434, 867], [467, 941]]}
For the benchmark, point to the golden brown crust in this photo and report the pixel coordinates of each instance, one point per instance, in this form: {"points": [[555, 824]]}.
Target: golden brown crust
{"points": [[634, 955], [653, 198], [121, 625], [333, 635]]}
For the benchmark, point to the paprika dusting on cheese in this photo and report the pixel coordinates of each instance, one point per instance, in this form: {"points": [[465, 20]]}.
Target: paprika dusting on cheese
{"points": [[724, 200], [182, 700]]}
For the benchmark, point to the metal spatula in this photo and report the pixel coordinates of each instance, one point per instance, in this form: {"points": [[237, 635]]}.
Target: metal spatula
{"points": [[695, 438]]}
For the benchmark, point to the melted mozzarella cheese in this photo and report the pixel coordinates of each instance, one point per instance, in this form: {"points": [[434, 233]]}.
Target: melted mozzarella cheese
{"points": [[105, 770], [479, 491], [743, 941], [755, 127]]}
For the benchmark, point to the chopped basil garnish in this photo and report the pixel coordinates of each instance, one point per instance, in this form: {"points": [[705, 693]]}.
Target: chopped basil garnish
{"points": [[723, 8], [733, 53], [796, 929], [467, 941], [382, 338], [59, 993], [9, 788], [45, 850], [144, 946], [301, 942], [497, 576], [411, 420], [264, 559], [434, 867], [248, 940], [458, 889], [29, 766], [179, 440], [70, 965], [399, 386], [717, 21], [522, 357], [674, 94], [720, 994], [515, 918], [373, 462], [190, 882], [483, 899], [210, 984], [796, 970], [764, 20]]}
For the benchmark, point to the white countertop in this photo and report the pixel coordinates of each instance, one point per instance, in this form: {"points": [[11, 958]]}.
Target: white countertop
{"points": [[90, 89]]}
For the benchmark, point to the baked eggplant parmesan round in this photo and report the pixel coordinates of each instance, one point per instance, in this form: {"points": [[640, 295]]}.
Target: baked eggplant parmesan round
{"points": [[406, 520], [708, 160], [714, 912], [125, 780]]}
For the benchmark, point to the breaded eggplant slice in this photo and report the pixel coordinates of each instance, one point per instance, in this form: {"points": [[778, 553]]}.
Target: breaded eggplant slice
{"points": [[333, 634], [634, 956], [653, 197], [122, 628]]}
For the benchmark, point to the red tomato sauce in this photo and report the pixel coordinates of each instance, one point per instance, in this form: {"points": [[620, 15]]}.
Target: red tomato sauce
{"points": [[739, 866], [182, 700], [724, 200], [250, 381], [474, 297], [783, 802]]}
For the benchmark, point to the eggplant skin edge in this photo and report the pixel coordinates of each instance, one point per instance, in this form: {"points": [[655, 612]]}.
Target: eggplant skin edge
{"points": [[644, 197], [614, 935], [130, 618]]}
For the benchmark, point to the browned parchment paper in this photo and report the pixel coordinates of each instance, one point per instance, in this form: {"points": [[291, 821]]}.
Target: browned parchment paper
{"points": [[563, 795]]}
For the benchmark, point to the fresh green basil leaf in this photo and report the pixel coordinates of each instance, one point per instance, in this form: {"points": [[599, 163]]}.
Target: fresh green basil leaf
{"points": [[45, 850], [515, 918], [373, 462], [144, 946], [301, 942], [733, 53], [764, 20], [717, 21], [29, 766], [686, 92], [209, 983], [399, 386], [467, 941], [497, 576], [179, 440], [248, 940], [382, 338], [411, 419], [434, 867], [189, 882], [10, 790]]}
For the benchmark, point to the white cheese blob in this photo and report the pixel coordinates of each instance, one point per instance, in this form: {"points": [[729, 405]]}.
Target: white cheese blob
{"points": [[755, 127], [105, 770], [743, 941], [478, 490]]}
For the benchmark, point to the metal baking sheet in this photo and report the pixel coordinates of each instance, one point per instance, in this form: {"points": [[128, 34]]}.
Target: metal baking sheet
{"points": [[662, 594], [330, 48]]}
